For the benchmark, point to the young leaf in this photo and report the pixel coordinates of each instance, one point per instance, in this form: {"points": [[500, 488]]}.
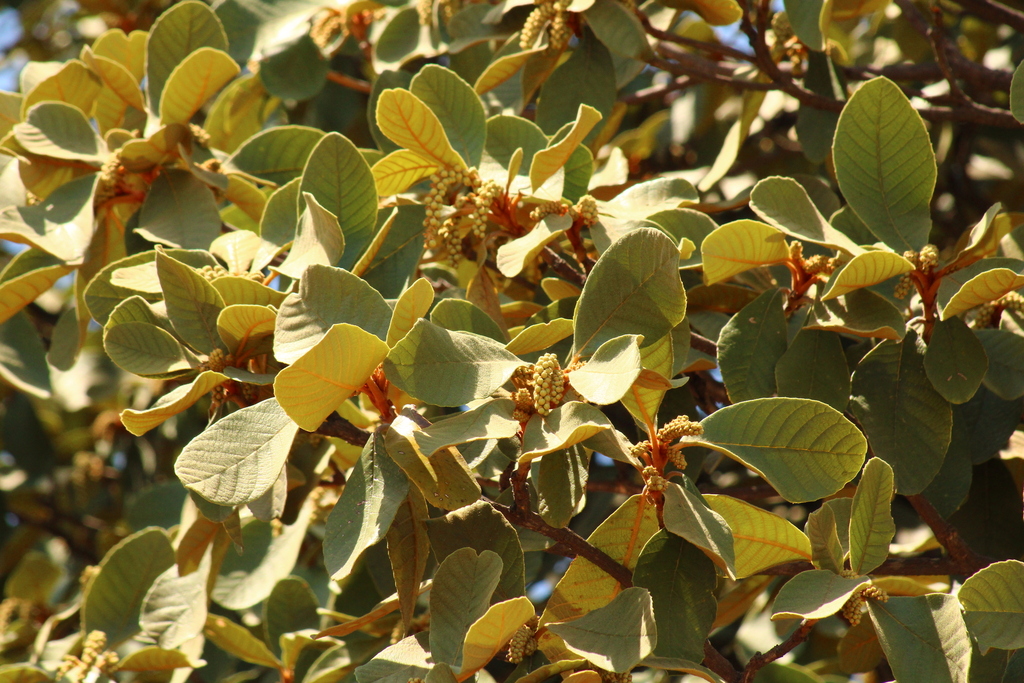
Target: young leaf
{"points": [[815, 594], [546, 162], [400, 170], [863, 270], [177, 33], [491, 632], [826, 549], [443, 477], [409, 123], [517, 254], [138, 422], [540, 336], [615, 637], [610, 372], [194, 81], [761, 539], [871, 525], [456, 106], [739, 246], [750, 345], [410, 307]]}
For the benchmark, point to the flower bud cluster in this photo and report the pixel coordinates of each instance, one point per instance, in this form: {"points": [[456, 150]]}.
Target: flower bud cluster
{"points": [[613, 677], [640, 450], [820, 264], [586, 209], [444, 233], [199, 135], [326, 28], [554, 12], [94, 656], [449, 8], [109, 178], [211, 273], [853, 609], [655, 482], [523, 643], [549, 208], [678, 426], [904, 286], [218, 360], [425, 12], [481, 201], [548, 384]]}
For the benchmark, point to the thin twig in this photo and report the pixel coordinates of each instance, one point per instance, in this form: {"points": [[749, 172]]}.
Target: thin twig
{"points": [[703, 344], [712, 48], [337, 426], [995, 12], [967, 560], [347, 81], [562, 267], [894, 566], [759, 661]]}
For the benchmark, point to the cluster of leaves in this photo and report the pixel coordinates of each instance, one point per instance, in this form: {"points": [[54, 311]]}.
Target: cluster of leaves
{"points": [[396, 386]]}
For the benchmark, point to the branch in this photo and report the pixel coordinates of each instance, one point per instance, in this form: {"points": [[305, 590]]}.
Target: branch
{"points": [[703, 344], [714, 660], [894, 566], [995, 12], [714, 49], [967, 561], [758, 661], [562, 268], [337, 426], [347, 81]]}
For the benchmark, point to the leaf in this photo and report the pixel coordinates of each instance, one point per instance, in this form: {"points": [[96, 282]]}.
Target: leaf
{"points": [[560, 479], [327, 296], [277, 155], [408, 658], [461, 594], [688, 516], [615, 637], [655, 200], [460, 315], [566, 425], [61, 225], [515, 255], [761, 539], [865, 269], [23, 673], [815, 594], [60, 131], [331, 372], [239, 113], [549, 160], [489, 634], [587, 77], [908, 422], [145, 349], [610, 372], [342, 183], [138, 422], [318, 240], [492, 420], [462, 366], [412, 305], [409, 551], [393, 267], [156, 659], [33, 578], [194, 81], [443, 477], [457, 107], [681, 580], [1005, 351], [780, 437], [859, 650], [400, 170], [22, 357], [239, 457], [294, 70], [238, 641], [291, 607], [750, 345], [956, 362], [73, 83], [984, 281], [815, 367], [175, 35], [924, 638], [410, 124], [739, 246], [992, 604], [112, 600], [885, 165], [862, 313], [540, 336], [27, 276], [633, 289], [1017, 93], [243, 326], [734, 139], [871, 525], [715, 12], [618, 29], [179, 211], [785, 204], [193, 304]]}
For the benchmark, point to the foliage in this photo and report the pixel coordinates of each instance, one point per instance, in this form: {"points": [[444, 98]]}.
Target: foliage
{"points": [[319, 378]]}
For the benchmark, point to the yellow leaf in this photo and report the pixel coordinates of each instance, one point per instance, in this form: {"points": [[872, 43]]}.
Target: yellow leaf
{"points": [[865, 270], [367, 257], [737, 601], [242, 290], [241, 324], [761, 539], [520, 310], [120, 81], [410, 307], [644, 398], [851, 9], [739, 246], [239, 112], [353, 624], [18, 292], [540, 336], [237, 249], [547, 161], [334, 369], [504, 68], [245, 196], [193, 82], [491, 632], [138, 422], [583, 677], [715, 12], [585, 587], [982, 288], [557, 289], [409, 123], [398, 171], [127, 50], [514, 256], [75, 84], [157, 149]]}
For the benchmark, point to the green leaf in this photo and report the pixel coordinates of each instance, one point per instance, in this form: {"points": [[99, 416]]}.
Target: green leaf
{"points": [[1005, 351], [156, 659], [145, 349], [480, 527], [443, 477], [688, 516], [23, 358], [1017, 93], [815, 367], [342, 182], [737, 135], [955, 361], [295, 70], [924, 637], [908, 422], [871, 525], [517, 254], [750, 345], [176, 34], [60, 131], [459, 315], [460, 595], [586, 78], [462, 366], [408, 658], [560, 479], [193, 304], [618, 28], [610, 372], [785, 204], [179, 211], [685, 224], [277, 155], [394, 265], [681, 580], [492, 420], [547, 162], [23, 673], [26, 276], [175, 607], [993, 605], [291, 607], [822, 530], [633, 289], [327, 296], [651, 198], [566, 425], [815, 594], [861, 312], [780, 438], [761, 539], [238, 458], [885, 165], [236, 640], [368, 504], [988, 422], [805, 17], [409, 551], [457, 107], [318, 240], [859, 650], [615, 637], [112, 600], [61, 225]]}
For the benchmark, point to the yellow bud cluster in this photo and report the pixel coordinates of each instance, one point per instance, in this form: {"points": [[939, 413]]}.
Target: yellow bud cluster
{"points": [[109, 178], [449, 8], [1012, 301], [445, 234], [677, 427], [425, 11], [523, 399], [539, 17], [94, 656], [820, 264], [218, 360], [560, 33], [199, 135], [547, 209], [781, 27], [482, 199], [655, 482], [13, 609], [326, 28], [612, 677], [983, 315], [640, 450], [548, 384], [796, 251], [586, 209], [416, 680], [853, 608], [523, 642], [929, 257], [904, 287], [211, 273]]}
